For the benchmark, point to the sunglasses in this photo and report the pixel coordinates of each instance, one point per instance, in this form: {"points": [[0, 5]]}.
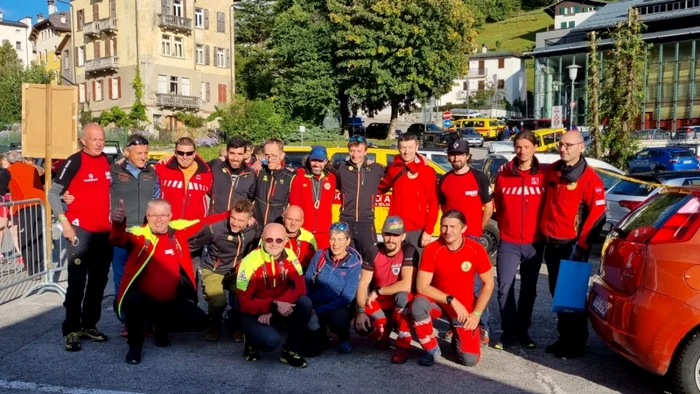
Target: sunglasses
{"points": [[339, 226], [137, 141], [181, 153], [358, 138], [278, 241]]}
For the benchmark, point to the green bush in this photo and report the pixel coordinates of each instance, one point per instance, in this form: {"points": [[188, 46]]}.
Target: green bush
{"points": [[255, 120]]}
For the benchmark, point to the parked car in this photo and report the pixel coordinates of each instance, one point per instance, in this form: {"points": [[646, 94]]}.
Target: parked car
{"points": [[377, 131], [663, 158], [627, 195], [356, 126], [688, 132], [438, 140], [438, 156], [644, 301], [420, 128], [472, 137], [653, 134]]}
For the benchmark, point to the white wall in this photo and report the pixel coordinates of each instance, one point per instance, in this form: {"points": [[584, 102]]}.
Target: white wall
{"points": [[13, 34], [512, 74], [577, 18]]}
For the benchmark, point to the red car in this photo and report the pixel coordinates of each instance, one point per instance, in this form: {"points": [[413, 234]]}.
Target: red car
{"points": [[645, 300]]}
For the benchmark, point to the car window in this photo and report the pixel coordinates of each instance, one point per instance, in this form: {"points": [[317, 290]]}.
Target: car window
{"points": [[643, 154], [627, 188], [492, 168], [479, 123], [548, 139], [654, 212], [608, 180], [342, 156], [295, 159], [691, 181], [441, 160], [682, 153]]}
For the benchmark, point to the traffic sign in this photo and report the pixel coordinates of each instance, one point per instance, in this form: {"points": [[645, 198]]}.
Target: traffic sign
{"points": [[447, 123], [557, 119], [447, 115]]}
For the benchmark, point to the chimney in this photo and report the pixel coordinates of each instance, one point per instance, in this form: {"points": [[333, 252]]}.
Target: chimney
{"points": [[52, 6], [39, 18], [484, 48]]}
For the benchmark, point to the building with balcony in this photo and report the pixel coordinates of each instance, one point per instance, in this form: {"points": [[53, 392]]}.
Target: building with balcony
{"points": [[185, 61], [17, 34], [503, 72], [46, 36], [568, 14], [670, 73]]}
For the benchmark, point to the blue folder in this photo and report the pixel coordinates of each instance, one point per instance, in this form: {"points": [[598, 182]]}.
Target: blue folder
{"points": [[572, 287]]}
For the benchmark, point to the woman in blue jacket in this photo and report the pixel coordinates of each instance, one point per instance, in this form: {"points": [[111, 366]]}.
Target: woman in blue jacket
{"points": [[331, 283]]}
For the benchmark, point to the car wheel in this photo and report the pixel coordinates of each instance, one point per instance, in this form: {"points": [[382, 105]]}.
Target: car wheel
{"points": [[490, 239], [686, 366], [481, 145]]}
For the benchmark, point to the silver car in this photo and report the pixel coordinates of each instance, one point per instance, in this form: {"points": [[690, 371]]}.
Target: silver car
{"points": [[627, 195], [472, 137]]}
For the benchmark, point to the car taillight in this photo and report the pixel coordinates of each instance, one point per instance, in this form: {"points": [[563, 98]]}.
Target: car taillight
{"points": [[631, 205], [680, 227], [673, 161]]}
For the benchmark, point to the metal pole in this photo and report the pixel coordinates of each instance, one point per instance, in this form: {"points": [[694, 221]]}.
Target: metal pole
{"points": [[47, 175], [571, 105]]}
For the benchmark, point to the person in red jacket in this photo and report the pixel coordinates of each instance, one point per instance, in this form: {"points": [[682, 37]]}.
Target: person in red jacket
{"points": [[158, 285], [313, 189], [518, 196], [185, 181], [572, 218], [271, 293], [414, 198], [299, 240]]}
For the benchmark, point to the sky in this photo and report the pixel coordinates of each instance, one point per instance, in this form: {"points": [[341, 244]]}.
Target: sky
{"points": [[15, 10]]}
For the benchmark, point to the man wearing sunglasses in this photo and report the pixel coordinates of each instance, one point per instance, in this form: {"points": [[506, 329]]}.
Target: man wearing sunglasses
{"points": [[572, 218], [358, 181], [185, 181], [271, 293], [233, 179], [273, 184]]}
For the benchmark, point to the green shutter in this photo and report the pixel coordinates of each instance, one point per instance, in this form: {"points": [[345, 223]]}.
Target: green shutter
{"points": [[577, 9], [561, 11], [563, 25], [572, 24]]}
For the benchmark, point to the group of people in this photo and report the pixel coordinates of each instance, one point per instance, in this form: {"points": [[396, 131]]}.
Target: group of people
{"points": [[265, 235]]}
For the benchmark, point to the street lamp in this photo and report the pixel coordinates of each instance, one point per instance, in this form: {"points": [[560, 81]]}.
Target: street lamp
{"points": [[573, 71]]}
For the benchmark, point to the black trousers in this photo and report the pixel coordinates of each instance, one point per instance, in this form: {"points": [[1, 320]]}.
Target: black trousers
{"points": [[364, 237], [178, 315], [572, 327], [267, 338], [31, 238], [337, 321], [89, 260]]}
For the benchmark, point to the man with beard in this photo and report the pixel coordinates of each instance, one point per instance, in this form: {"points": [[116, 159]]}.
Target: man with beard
{"points": [[299, 240], [233, 179]]}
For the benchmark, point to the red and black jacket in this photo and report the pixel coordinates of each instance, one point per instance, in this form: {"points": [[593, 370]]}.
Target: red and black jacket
{"points": [[574, 206], [187, 199], [315, 197], [518, 197]]}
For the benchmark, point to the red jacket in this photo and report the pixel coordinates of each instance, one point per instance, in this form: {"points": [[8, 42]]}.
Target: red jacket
{"points": [[574, 206], [146, 248], [304, 246], [318, 217], [261, 281], [414, 198], [518, 198], [188, 201]]}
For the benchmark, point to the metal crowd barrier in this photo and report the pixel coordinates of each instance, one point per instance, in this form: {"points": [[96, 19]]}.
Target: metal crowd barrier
{"points": [[26, 265]]}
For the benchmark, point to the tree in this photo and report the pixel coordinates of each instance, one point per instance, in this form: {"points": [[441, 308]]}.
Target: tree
{"points": [[623, 88], [137, 114], [400, 52], [594, 95], [255, 120], [254, 62]]}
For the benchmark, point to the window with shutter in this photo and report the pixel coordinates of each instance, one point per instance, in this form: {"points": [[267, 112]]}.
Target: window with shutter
{"points": [[207, 52], [93, 91], [81, 19], [114, 46], [111, 88], [77, 59], [221, 22], [206, 19], [96, 47], [228, 58], [501, 63], [119, 87], [208, 92], [501, 84], [222, 93], [165, 7], [108, 49], [113, 8], [95, 12]]}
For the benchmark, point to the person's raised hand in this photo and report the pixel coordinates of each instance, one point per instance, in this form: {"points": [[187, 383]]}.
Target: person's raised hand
{"points": [[119, 214]]}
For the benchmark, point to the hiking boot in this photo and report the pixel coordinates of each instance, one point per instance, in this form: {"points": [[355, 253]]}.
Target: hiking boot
{"points": [[525, 341], [250, 353], [400, 356], [345, 347], [507, 340], [93, 334], [292, 358], [72, 342], [133, 356], [213, 333], [484, 337], [428, 358], [237, 337]]}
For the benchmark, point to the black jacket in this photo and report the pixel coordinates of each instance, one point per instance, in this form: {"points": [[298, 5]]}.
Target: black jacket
{"points": [[225, 248], [230, 185], [271, 194], [358, 189], [136, 192]]}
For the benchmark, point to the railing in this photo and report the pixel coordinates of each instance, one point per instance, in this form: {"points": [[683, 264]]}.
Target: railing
{"points": [[101, 64], [92, 28], [175, 22], [108, 24], [177, 101], [477, 72]]}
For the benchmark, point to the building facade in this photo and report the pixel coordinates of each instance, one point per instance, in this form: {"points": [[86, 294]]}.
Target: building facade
{"points": [[502, 71], [182, 49], [671, 68], [17, 34], [569, 14], [46, 36]]}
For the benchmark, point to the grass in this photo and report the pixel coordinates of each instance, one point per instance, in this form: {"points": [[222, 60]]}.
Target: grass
{"points": [[517, 34]]}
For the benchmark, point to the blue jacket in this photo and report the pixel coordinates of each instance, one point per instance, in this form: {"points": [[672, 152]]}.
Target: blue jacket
{"points": [[334, 287]]}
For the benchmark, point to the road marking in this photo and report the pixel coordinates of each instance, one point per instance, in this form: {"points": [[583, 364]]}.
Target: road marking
{"points": [[46, 388]]}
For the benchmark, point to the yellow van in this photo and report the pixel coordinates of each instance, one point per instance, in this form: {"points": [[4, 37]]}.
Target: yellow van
{"points": [[294, 156], [488, 128], [548, 139]]}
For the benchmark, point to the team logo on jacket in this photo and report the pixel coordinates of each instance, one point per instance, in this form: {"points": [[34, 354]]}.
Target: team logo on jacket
{"points": [[572, 186], [230, 237], [327, 186], [170, 252], [395, 269], [466, 266], [77, 261], [412, 175], [241, 276], [535, 181]]}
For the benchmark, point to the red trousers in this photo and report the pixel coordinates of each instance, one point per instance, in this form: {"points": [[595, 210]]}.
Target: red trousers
{"points": [[397, 306]]}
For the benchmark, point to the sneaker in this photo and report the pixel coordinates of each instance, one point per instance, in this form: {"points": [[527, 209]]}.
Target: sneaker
{"points": [[93, 334], [250, 353], [212, 334], [428, 358], [133, 356], [507, 340], [345, 347], [485, 337], [525, 341], [400, 356], [72, 342], [292, 358], [382, 344], [237, 337]]}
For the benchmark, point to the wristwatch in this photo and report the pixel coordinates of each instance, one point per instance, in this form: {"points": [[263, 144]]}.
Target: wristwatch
{"points": [[449, 299]]}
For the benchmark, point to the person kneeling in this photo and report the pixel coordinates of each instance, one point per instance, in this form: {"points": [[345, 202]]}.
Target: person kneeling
{"points": [[158, 284], [331, 281], [270, 289], [445, 286]]}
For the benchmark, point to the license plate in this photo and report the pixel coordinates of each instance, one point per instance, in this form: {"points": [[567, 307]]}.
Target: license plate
{"points": [[600, 305], [607, 227], [687, 161]]}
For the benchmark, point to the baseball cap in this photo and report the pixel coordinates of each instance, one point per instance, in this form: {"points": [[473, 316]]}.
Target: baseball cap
{"points": [[318, 153], [393, 225], [458, 146]]}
